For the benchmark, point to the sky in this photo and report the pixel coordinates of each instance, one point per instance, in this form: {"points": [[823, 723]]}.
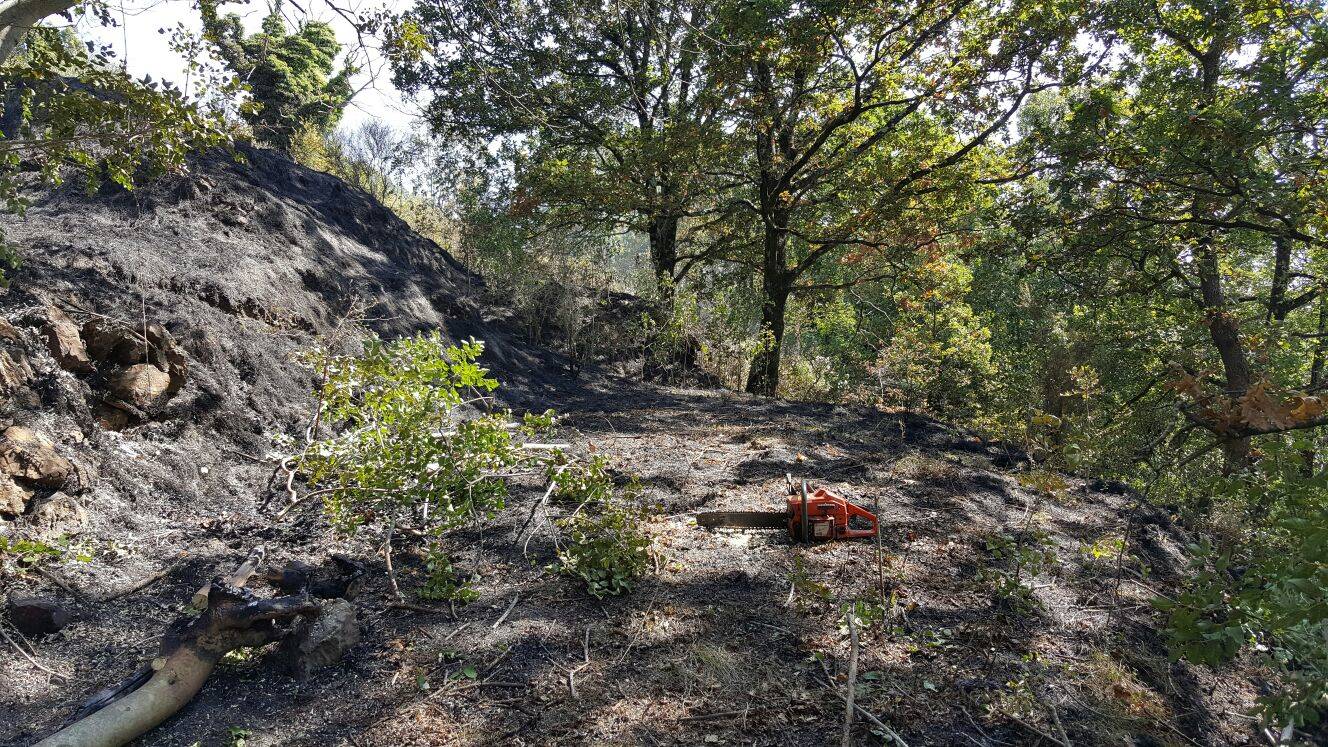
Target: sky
{"points": [[137, 41]]}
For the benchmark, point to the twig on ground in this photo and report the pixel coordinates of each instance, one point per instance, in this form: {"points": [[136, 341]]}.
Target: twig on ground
{"points": [[1060, 728], [29, 657], [1037, 731], [500, 620], [879, 724], [250, 457], [712, 716], [981, 731], [55, 579], [456, 630], [145, 583], [571, 673], [852, 682], [421, 608], [553, 485]]}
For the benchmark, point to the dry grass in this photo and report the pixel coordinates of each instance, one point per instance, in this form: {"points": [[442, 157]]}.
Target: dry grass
{"points": [[923, 468]]}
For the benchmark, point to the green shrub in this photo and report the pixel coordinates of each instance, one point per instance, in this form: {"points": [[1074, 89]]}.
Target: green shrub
{"points": [[443, 581], [405, 450], [604, 541], [579, 482], [1277, 606], [1020, 558]]}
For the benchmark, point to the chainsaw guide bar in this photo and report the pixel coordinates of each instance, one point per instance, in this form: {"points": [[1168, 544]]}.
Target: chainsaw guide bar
{"points": [[743, 519]]}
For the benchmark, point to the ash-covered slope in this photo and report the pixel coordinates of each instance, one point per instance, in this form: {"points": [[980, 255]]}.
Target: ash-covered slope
{"points": [[147, 358], [243, 264]]}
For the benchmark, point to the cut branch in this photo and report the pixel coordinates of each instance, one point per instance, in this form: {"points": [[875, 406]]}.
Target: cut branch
{"points": [[190, 649]]}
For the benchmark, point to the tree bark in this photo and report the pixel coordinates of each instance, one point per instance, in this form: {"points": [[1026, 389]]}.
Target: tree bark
{"points": [[776, 283], [1277, 310], [1317, 363], [17, 17], [663, 232], [1224, 331], [190, 650]]}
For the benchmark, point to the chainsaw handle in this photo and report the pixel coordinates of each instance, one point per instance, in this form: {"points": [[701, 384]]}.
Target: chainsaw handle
{"points": [[862, 513], [802, 525]]}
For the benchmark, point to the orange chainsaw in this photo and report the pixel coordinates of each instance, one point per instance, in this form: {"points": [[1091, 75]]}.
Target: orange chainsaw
{"points": [[820, 516]]}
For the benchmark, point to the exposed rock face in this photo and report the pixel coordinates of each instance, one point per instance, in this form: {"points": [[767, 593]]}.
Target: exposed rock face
{"points": [[58, 514], [34, 616], [9, 332], [13, 497], [142, 385], [115, 345], [65, 343], [29, 456], [14, 371], [321, 643]]}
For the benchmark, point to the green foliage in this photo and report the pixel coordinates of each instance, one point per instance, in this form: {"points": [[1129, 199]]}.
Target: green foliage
{"points": [[442, 580], [289, 75], [937, 355], [604, 540], [403, 449], [579, 482], [19, 555], [1267, 590], [1019, 557]]}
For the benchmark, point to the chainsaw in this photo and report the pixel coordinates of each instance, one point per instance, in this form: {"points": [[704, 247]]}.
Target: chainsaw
{"points": [[819, 516]]}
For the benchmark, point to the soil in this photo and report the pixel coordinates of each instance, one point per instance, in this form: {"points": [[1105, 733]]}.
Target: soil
{"points": [[729, 640]]}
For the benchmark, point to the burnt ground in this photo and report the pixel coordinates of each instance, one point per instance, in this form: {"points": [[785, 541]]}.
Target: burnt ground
{"points": [[727, 641]]}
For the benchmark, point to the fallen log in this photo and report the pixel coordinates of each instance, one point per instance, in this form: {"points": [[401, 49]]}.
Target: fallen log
{"points": [[190, 649]]}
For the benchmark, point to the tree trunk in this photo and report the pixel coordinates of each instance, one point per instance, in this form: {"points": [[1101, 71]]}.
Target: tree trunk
{"points": [[1277, 310], [1317, 363], [763, 377], [663, 230], [18, 16], [1225, 333]]}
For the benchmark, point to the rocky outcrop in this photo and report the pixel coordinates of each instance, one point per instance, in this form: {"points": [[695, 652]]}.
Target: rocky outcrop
{"points": [[13, 497], [64, 342], [142, 385], [30, 457]]}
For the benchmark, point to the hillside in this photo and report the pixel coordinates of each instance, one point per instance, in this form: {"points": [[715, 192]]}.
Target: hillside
{"points": [[234, 270]]}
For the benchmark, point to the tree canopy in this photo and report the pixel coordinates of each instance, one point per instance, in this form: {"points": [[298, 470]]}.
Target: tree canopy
{"points": [[289, 74]]}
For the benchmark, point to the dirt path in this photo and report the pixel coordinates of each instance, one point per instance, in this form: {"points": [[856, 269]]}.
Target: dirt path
{"points": [[726, 643]]}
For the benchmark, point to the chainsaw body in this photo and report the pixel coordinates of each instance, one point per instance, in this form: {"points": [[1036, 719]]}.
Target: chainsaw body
{"points": [[822, 516]]}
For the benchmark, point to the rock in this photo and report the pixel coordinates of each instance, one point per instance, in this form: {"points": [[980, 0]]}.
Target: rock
{"points": [[14, 371], [142, 385], [13, 497], [28, 455], [9, 332], [111, 343], [34, 616], [117, 345], [65, 342], [321, 643], [110, 417], [58, 514], [168, 357]]}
